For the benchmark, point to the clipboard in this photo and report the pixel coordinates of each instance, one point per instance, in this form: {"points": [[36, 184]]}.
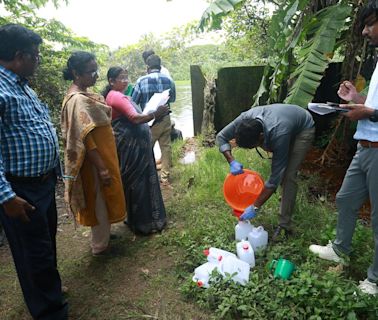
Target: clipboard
{"points": [[325, 108]]}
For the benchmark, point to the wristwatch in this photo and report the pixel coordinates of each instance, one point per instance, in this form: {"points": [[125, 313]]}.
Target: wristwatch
{"points": [[374, 116], [257, 209]]}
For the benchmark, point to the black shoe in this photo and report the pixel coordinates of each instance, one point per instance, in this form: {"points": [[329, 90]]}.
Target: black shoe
{"points": [[281, 232]]}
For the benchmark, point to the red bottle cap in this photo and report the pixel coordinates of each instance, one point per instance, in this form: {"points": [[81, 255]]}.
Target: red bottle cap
{"points": [[206, 252]]}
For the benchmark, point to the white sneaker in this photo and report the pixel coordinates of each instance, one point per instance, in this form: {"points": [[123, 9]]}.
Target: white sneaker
{"points": [[368, 287], [326, 252]]}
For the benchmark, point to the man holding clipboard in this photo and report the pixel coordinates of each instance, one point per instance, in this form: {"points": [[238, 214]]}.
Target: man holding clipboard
{"points": [[360, 181], [145, 88]]}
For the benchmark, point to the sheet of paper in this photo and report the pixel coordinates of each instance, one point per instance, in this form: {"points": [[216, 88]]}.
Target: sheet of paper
{"points": [[323, 108], [158, 99]]}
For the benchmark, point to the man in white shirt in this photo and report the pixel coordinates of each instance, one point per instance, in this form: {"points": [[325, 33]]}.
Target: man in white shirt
{"points": [[360, 181]]}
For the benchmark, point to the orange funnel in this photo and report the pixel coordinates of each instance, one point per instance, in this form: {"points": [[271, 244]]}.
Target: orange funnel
{"points": [[242, 190]]}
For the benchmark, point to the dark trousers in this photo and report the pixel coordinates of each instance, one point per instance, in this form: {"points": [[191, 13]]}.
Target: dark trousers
{"points": [[33, 248]]}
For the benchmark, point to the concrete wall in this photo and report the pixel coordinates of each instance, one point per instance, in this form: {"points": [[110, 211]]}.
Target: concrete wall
{"points": [[198, 83], [236, 87]]}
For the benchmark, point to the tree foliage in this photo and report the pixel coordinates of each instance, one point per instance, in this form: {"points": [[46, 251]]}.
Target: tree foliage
{"points": [[302, 37], [58, 44]]}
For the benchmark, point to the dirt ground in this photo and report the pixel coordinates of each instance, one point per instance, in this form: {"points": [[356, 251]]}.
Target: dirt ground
{"points": [[137, 280], [331, 178]]}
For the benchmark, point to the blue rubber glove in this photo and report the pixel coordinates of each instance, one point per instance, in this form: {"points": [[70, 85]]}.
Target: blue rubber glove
{"points": [[249, 213], [236, 168]]}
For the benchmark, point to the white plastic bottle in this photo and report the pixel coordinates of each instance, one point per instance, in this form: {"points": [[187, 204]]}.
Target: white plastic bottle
{"points": [[242, 229], [202, 274], [245, 252], [258, 238], [215, 255], [231, 265]]}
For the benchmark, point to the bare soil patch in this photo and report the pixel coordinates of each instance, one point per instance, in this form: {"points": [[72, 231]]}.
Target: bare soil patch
{"points": [[137, 280]]}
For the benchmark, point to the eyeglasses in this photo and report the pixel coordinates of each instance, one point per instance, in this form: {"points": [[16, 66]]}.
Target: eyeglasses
{"points": [[93, 73], [35, 55], [123, 79]]}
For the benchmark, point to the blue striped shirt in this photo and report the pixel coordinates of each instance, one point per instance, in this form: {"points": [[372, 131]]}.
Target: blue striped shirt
{"points": [[151, 83], [28, 140]]}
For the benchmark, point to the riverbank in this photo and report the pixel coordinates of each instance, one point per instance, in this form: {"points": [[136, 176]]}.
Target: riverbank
{"points": [[150, 277]]}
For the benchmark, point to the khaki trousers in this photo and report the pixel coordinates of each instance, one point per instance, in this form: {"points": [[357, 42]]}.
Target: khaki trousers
{"points": [[161, 132], [298, 150]]}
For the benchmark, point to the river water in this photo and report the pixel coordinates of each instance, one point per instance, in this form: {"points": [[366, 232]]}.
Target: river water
{"points": [[181, 113], [182, 110]]}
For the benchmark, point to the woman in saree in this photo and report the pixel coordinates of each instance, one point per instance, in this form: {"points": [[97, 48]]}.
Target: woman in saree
{"points": [[92, 178], [145, 206]]}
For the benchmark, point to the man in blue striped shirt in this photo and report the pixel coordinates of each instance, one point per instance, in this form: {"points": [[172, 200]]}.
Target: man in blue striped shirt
{"points": [[146, 86], [28, 160]]}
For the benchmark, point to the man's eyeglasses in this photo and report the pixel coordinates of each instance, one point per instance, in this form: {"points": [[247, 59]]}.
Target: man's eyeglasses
{"points": [[35, 55], [93, 73]]}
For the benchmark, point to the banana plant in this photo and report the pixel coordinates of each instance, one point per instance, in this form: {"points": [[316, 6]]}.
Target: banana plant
{"points": [[300, 40], [218, 9], [313, 57], [284, 33]]}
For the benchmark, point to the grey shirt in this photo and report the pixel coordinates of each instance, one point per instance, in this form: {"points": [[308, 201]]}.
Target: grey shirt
{"points": [[281, 123]]}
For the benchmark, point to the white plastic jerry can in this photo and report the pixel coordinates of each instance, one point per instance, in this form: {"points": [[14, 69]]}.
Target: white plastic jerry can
{"points": [[245, 252], [242, 229], [258, 238], [240, 268], [215, 255], [202, 274]]}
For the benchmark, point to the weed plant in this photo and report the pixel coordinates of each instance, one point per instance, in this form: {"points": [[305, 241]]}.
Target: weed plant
{"points": [[316, 289]]}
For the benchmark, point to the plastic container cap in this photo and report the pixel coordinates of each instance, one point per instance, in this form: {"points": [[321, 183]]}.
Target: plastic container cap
{"points": [[242, 190]]}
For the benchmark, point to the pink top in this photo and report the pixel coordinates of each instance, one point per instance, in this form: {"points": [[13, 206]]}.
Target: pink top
{"points": [[121, 105]]}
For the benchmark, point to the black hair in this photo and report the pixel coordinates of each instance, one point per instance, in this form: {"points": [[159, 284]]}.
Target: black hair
{"points": [[371, 8], [146, 54], [13, 38], [77, 61], [113, 73], [247, 133], [154, 62]]}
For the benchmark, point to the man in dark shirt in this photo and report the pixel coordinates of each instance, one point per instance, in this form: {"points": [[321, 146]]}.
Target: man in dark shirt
{"points": [[176, 134], [28, 162], [285, 130]]}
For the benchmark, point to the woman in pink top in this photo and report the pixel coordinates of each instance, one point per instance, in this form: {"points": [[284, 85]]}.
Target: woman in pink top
{"points": [[145, 206]]}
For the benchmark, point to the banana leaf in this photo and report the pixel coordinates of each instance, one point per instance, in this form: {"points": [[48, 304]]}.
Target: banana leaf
{"points": [[322, 32], [213, 15]]}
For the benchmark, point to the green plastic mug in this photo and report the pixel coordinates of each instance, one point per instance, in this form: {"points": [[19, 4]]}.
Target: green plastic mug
{"points": [[282, 268]]}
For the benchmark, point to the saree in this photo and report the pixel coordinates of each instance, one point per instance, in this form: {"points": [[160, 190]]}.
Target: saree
{"points": [[145, 206], [86, 125]]}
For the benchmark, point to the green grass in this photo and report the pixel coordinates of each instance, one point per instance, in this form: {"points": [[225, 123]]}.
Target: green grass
{"points": [[151, 277], [182, 82], [314, 292]]}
